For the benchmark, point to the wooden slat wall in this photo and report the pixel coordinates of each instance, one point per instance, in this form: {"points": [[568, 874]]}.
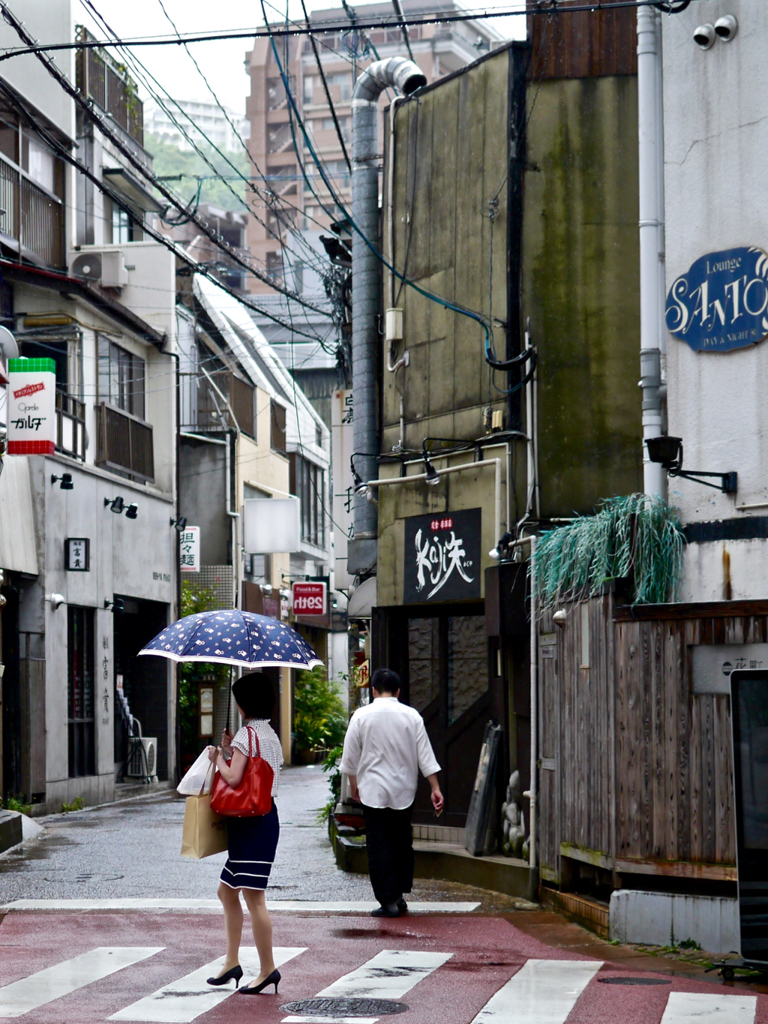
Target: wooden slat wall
{"points": [[644, 766], [586, 44]]}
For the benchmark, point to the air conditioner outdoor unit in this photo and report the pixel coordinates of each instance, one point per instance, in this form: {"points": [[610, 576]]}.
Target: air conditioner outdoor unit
{"points": [[105, 267], [142, 758]]}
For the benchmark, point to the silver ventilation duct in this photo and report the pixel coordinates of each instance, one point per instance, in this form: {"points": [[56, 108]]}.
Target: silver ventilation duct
{"points": [[407, 77]]}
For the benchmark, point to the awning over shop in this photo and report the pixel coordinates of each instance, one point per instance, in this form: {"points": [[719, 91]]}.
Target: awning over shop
{"points": [[18, 544], [363, 600]]}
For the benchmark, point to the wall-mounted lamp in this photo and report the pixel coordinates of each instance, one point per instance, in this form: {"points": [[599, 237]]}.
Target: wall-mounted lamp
{"points": [[66, 484], [501, 553], [180, 524], [433, 477], [704, 36], [266, 589], [726, 27], [560, 617], [360, 486], [132, 511], [668, 452], [116, 504], [114, 606]]}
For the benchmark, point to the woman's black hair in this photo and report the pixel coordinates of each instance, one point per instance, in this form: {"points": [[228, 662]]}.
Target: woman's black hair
{"points": [[254, 695]]}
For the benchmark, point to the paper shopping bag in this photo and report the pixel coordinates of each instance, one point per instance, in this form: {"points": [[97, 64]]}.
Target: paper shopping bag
{"points": [[205, 832]]}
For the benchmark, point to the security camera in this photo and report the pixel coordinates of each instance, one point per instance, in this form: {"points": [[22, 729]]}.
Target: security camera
{"points": [[726, 27], [704, 36]]}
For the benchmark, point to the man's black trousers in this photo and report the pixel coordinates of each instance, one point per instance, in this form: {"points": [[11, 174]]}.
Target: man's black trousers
{"points": [[389, 842]]}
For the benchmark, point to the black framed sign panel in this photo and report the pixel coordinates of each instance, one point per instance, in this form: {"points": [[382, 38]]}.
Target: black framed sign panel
{"points": [[749, 718]]}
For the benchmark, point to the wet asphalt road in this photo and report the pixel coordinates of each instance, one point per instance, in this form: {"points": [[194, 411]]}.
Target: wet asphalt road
{"points": [[132, 850]]}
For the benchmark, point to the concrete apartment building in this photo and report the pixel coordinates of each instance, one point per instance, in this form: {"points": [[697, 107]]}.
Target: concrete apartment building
{"points": [[205, 122], [88, 556]]}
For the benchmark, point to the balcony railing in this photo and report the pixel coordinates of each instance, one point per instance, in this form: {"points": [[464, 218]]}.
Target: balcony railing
{"points": [[99, 78], [33, 217], [70, 426], [125, 443], [213, 413]]}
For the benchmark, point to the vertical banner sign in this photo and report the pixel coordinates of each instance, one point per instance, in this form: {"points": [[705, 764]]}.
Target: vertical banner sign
{"points": [[31, 407], [442, 556], [190, 549]]}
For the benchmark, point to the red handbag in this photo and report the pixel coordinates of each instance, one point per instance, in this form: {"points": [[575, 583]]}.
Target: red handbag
{"points": [[253, 797]]}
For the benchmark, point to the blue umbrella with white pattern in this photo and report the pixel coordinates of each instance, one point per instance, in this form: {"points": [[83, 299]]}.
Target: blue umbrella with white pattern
{"points": [[232, 637]]}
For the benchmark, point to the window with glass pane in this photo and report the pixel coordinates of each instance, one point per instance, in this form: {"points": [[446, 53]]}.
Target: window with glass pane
{"points": [[467, 663], [310, 481], [121, 377], [80, 721], [123, 229]]}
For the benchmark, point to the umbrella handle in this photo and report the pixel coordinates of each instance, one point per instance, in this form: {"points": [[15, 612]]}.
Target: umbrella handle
{"points": [[229, 697]]}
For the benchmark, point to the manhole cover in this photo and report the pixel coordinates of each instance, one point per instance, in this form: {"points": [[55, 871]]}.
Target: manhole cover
{"points": [[635, 981], [338, 1007]]}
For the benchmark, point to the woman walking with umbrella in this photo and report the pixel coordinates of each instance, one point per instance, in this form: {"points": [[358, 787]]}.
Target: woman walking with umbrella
{"points": [[253, 840], [234, 637]]}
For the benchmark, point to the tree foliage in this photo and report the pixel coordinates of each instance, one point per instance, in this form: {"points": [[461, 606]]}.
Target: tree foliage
{"points": [[170, 160]]}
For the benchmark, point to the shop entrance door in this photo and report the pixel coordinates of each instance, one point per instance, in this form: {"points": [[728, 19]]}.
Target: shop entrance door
{"points": [[441, 656]]}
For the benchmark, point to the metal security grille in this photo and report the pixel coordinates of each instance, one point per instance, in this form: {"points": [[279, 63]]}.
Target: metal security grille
{"points": [[219, 580], [80, 657]]}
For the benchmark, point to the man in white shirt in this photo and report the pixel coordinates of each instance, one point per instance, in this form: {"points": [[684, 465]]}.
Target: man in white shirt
{"points": [[385, 747]]}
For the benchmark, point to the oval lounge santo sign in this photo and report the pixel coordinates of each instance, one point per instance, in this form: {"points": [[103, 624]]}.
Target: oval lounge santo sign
{"points": [[721, 302]]}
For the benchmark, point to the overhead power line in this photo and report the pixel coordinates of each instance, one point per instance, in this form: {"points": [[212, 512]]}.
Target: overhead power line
{"points": [[142, 73], [548, 8], [63, 151], [87, 107]]}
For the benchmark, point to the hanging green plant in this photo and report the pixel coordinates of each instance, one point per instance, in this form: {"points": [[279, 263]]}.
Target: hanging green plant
{"points": [[635, 536]]}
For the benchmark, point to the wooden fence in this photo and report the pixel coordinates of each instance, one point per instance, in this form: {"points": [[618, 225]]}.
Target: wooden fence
{"points": [[636, 768]]}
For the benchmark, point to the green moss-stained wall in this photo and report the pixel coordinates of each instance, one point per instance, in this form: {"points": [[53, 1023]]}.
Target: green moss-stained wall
{"points": [[580, 288], [450, 158]]}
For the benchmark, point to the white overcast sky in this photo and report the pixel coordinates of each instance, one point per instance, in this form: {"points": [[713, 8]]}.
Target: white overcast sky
{"points": [[222, 62]]}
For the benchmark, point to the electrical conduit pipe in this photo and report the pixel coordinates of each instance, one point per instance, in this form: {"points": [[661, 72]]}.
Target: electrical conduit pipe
{"points": [[407, 77]]}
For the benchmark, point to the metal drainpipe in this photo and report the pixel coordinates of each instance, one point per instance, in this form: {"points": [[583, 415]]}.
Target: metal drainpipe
{"points": [[651, 150], [404, 75]]}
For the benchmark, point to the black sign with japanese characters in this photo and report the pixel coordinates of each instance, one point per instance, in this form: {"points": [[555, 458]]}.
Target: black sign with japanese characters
{"points": [[442, 557]]}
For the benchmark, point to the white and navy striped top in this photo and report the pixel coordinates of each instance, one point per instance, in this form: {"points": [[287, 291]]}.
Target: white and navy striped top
{"points": [[269, 744]]}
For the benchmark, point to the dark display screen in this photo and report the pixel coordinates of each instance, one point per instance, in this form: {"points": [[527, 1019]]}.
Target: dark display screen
{"points": [[749, 713]]}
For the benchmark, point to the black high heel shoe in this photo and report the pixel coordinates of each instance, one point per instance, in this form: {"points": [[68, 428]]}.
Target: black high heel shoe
{"points": [[235, 972], [253, 990]]}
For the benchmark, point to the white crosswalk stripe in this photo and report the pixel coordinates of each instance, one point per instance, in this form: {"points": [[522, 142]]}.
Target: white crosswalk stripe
{"points": [[542, 992], [54, 982], [185, 999], [703, 1008], [388, 975]]}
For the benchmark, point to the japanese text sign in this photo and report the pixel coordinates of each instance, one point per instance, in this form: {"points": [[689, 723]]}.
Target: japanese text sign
{"points": [[190, 549], [77, 554], [31, 413], [442, 556], [309, 599]]}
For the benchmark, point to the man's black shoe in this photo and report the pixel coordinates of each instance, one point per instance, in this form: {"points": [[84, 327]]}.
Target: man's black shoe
{"points": [[402, 906], [391, 910]]}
